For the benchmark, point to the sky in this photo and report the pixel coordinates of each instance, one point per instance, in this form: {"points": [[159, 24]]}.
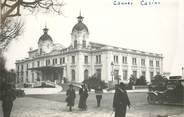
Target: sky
{"points": [[150, 28]]}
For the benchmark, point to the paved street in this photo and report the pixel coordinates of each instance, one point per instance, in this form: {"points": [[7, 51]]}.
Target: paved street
{"points": [[54, 106]]}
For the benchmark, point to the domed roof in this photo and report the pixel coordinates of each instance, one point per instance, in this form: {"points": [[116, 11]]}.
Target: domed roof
{"points": [[45, 36], [80, 26]]}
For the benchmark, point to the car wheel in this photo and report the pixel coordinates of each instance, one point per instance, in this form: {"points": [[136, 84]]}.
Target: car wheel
{"points": [[151, 99]]}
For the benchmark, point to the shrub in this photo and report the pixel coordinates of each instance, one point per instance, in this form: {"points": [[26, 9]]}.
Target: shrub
{"points": [[141, 81], [94, 82]]}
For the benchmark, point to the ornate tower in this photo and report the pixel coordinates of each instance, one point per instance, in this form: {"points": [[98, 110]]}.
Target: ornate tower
{"points": [[45, 43], [80, 34]]}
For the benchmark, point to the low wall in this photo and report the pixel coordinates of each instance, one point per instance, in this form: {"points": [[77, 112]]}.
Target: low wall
{"points": [[140, 87], [42, 90]]}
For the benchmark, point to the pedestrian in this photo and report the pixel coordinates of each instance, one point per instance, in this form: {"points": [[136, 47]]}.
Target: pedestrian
{"points": [[8, 97], [98, 92], [83, 92], [120, 101], [70, 99]]}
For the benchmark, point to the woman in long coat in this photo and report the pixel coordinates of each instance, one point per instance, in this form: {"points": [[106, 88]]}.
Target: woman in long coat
{"points": [[120, 101], [83, 92], [70, 99]]}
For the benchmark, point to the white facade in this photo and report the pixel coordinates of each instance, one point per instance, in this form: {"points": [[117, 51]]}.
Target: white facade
{"points": [[83, 58]]}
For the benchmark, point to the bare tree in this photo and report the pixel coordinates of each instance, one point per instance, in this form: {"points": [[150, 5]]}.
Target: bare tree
{"points": [[10, 27], [10, 9]]}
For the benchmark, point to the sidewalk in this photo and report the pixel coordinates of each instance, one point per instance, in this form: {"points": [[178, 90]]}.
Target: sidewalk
{"points": [[32, 107]]}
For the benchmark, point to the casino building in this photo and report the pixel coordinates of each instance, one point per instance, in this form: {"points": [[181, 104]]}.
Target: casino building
{"points": [[83, 59]]}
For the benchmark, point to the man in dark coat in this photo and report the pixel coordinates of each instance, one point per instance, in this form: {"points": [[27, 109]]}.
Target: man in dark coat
{"points": [[8, 97], [83, 92], [98, 92], [120, 101], [70, 99]]}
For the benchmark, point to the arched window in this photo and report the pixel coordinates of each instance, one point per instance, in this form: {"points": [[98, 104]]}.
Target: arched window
{"points": [[75, 44], [73, 75], [98, 73], [84, 43], [86, 74]]}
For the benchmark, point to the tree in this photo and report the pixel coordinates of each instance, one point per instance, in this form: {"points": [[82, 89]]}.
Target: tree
{"points": [[93, 82], [160, 82], [141, 81], [10, 27], [10, 9]]}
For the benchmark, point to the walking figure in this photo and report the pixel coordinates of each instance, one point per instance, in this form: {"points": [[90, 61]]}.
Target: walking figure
{"points": [[83, 92], [120, 101], [8, 96], [70, 99], [98, 92]]}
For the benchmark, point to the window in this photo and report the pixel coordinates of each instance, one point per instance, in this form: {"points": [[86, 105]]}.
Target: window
{"points": [[73, 59], [151, 75], [125, 74], [86, 74], [27, 74], [98, 73], [38, 63], [63, 60], [134, 61], [98, 59], [124, 59], [75, 44], [48, 62], [116, 74], [144, 73], [84, 43], [142, 62], [158, 73], [115, 59], [22, 67], [54, 61], [151, 63], [135, 74], [32, 76], [17, 67], [73, 75], [27, 66], [86, 59], [157, 64]]}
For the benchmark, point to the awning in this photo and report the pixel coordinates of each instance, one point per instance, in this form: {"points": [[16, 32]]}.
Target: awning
{"points": [[42, 68]]}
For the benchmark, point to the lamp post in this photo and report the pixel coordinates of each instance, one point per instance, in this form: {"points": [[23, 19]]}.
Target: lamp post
{"points": [[112, 72], [182, 72]]}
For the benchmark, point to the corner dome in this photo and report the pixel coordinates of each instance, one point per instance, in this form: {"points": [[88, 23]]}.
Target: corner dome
{"points": [[80, 26], [45, 36]]}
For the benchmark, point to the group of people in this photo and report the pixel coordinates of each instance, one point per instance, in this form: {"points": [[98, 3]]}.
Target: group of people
{"points": [[120, 100], [83, 93], [70, 99]]}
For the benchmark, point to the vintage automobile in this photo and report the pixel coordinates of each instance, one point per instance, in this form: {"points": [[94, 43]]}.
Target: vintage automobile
{"points": [[170, 92]]}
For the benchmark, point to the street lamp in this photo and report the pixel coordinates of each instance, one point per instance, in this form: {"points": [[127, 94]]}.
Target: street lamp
{"points": [[182, 72], [112, 65]]}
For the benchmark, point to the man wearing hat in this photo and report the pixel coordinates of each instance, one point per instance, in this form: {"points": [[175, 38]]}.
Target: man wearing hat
{"points": [[8, 97], [70, 99], [120, 101]]}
